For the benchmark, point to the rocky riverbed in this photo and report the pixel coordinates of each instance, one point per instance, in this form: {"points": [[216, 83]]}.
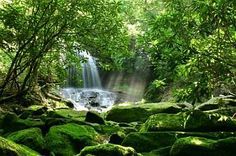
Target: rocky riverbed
{"points": [[149, 129]]}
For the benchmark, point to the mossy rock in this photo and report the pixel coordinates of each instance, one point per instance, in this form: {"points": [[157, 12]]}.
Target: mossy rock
{"points": [[10, 148], [140, 112], [94, 117], [68, 113], [165, 151], [70, 138], [198, 146], [34, 110], [149, 141], [189, 121], [108, 150], [31, 137], [11, 122]]}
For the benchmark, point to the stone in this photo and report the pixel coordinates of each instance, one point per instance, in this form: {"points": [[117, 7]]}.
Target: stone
{"points": [[117, 138], [11, 122], [31, 137], [108, 150], [140, 112], [70, 138], [149, 141], [196, 146], [9, 148], [189, 121], [94, 118]]}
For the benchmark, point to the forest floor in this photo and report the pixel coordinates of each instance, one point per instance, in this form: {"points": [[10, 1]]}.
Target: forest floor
{"points": [[149, 129]]}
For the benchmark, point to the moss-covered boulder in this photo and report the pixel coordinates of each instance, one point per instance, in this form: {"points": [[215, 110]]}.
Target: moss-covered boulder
{"points": [[108, 150], [189, 121], [68, 114], [34, 110], [11, 122], [9, 148], [31, 137], [149, 141], [196, 146], [140, 112], [94, 118], [69, 139]]}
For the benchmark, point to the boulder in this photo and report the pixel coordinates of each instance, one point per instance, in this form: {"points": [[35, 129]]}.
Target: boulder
{"points": [[149, 141], [11, 122], [94, 118], [68, 113], [189, 121], [31, 137], [140, 112], [198, 146], [69, 139], [117, 138], [9, 148], [108, 150]]}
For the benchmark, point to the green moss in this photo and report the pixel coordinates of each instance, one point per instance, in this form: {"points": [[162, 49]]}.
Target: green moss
{"points": [[139, 112], [148, 141], [12, 123], [8, 147], [189, 121], [29, 137], [69, 139], [108, 150], [198, 146], [160, 122], [68, 113], [194, 146]]}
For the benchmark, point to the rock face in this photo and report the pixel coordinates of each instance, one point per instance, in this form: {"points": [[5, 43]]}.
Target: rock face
{"points": [[31, 137], [70, 138], [108, 150], [9, 148]]}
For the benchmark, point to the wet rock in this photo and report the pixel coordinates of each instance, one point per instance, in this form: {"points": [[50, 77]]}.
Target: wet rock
{"points": [[108, 150], [31, 137], [94, 118], [69, 139], [9, 148]]}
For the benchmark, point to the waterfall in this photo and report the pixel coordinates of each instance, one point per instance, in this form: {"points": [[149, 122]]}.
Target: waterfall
{"points": [[91, 77], [92, 96]]}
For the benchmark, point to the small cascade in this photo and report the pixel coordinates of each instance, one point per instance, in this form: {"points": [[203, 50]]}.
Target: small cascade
{"points": [[91, 77], [92, 96]]}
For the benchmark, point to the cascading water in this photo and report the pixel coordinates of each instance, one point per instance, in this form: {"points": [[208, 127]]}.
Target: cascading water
{"points": [[91, 77], [92, 96]]}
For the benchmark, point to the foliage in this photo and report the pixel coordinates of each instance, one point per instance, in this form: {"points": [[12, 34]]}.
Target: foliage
{"points": [[40, 36], [192, 43]]}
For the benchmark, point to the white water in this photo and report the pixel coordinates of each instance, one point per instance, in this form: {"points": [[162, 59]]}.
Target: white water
{"points": [[91, 77], [92, 96]]}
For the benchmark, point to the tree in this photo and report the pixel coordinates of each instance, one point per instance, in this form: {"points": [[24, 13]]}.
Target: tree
{"points": [[192, 45], [32, 30]]}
